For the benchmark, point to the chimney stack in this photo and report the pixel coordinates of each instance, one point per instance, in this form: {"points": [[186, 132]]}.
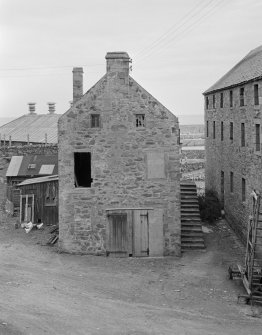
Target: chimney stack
{"points": [[77, 83], [51, 107], [118, 61], [32, 108]]}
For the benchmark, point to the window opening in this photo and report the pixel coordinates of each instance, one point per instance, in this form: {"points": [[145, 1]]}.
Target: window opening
{"points": [[242, 98], [231, 98], [214, 129], [231, 131], [243, 189], [221, 100], [214, 101], [231, 182], [256, 98], [243, 140], [140, 120], [207, 102], [207, 129], [95, 120], [222, 131], [257, 137], [82, 169]]}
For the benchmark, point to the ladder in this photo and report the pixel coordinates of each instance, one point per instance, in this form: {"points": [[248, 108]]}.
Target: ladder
{"points": [[251, 272]]}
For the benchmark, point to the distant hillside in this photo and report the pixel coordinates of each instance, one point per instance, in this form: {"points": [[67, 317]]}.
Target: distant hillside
{"points": [[4, 120], [191, 119]]}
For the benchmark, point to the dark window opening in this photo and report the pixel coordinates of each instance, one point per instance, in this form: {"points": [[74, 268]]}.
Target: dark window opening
{"points": [[221, 100], [231, 182], [231, 98], [243, 136], [243, 189], [214, 129], [82, 169], [207, 102], [207, 129], [140, 120], [222, 131], [231, 131], [258, 137], [214, 101], [241, 96], [256, 97], [95, 120]]}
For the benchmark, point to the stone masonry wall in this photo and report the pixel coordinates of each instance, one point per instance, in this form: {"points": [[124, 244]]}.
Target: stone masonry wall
{"points": [[119, 164], [229, 156]]}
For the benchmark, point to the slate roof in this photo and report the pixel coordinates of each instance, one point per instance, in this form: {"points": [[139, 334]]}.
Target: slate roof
{"points": [[248, 69], [38, 180], [34, 125], [28, 166]]}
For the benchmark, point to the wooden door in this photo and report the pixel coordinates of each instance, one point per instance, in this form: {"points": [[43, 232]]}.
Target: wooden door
{"points": [[118, 235], [27, 208], [140, 233]]}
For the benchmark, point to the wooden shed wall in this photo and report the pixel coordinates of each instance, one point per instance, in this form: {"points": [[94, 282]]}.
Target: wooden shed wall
{"points": [[45, 208]]}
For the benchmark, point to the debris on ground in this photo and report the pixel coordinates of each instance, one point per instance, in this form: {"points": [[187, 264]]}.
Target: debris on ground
{"points": [[55, 234]]}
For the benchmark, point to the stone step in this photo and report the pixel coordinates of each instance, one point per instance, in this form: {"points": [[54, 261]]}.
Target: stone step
{"points": [[187, 205], [193, 239], [190, 209], [190, 214], [187, 234], [192, 246], [191, 219], [191, 229]]}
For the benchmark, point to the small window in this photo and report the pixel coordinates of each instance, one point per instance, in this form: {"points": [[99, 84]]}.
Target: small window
{"points": [[242, 96], [222, 131], [82, 169], [243, 135], [256, 97], [31, 166], [95, 120], [231, 98], [243, 189], [231, 182], [257, 130], [207, 129], [221, 100], [231, 131], [214, 101], [214, 129], [207, 102], [140, 120]]}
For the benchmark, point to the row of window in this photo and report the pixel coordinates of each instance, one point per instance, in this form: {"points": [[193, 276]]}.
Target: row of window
{"points": [[96, 121], [231, 133], [211, 102], [231, 183]]}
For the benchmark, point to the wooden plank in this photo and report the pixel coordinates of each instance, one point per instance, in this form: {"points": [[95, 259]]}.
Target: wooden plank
{"points": [[136, 233], [144, 247], [156, 234]]}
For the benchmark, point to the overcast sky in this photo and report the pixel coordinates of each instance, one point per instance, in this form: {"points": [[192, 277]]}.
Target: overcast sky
{"points": [[179, 47]]}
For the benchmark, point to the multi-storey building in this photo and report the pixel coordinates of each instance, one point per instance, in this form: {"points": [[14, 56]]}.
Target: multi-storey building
{"points": [[119, 170], [233, 117]]}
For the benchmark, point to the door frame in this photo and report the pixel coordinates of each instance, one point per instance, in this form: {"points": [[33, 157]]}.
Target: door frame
{"points": [[26, 197]]}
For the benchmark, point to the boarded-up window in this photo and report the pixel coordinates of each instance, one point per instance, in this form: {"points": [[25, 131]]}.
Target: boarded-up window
{"points": [[155, 165], [257, 137], [82, 169]]}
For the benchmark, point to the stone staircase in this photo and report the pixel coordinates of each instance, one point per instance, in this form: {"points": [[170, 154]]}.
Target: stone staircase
{"points": [[191, 227]]}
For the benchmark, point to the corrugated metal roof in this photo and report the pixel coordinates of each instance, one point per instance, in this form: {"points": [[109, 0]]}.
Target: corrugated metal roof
{"points": [[38, 180], [249, 68], [14, 166], [36, 126], [31, 165]]}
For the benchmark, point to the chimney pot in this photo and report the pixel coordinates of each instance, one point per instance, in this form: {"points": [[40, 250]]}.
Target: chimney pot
{"points": [[77, 83], [32, 107], [51, 107]]}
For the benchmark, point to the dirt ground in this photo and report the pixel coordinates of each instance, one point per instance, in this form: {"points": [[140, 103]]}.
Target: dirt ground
{"points": [[46, 292]]}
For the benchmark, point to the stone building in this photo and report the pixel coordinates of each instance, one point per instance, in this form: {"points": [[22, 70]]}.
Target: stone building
{"points": [[118, 151], [233, 138]]}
